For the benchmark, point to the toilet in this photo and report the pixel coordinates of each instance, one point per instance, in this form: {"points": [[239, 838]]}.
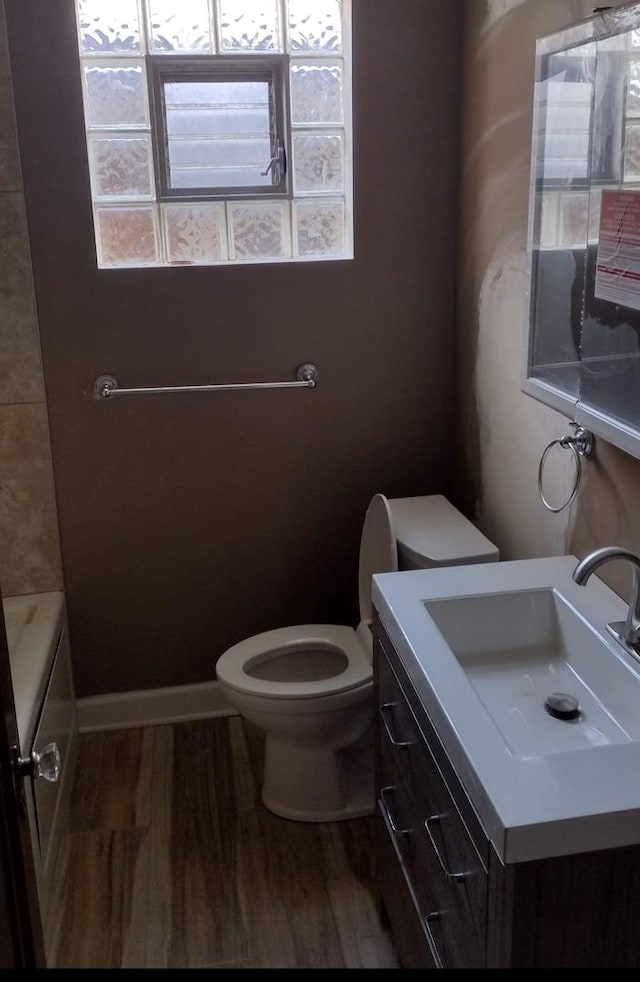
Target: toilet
{"points": [[309, 688]]}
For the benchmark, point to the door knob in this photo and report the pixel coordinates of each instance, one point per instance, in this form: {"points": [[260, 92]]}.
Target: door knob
{"points": [[45, 763]]}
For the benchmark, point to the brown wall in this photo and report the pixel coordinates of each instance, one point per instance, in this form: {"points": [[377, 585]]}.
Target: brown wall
{"points": [[188, 522], [504, 432]]}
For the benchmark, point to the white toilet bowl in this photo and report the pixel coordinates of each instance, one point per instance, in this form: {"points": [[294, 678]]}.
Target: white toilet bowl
{"points": [[309, 687]]}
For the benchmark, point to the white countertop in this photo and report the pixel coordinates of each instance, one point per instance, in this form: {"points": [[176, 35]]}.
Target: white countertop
{"points": [[532, 805]]}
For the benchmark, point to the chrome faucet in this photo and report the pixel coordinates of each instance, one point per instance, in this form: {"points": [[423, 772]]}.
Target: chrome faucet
{"points": [[626, 632]]}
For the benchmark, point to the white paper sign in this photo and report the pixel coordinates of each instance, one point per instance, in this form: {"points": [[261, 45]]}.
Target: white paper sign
{"points": [[618, 260]]}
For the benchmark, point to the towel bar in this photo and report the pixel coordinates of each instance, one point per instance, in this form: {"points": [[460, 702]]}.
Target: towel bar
{"points": [[106, 386]]}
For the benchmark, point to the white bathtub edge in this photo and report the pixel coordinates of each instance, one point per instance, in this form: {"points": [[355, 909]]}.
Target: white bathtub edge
{"points": [[151, 707]]}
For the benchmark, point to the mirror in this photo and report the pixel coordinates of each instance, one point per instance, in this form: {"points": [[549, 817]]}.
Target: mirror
{"points": [[583, 351]]}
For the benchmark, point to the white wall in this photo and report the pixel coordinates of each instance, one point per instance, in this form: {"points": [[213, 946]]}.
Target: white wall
{"points": [[504, 431]]}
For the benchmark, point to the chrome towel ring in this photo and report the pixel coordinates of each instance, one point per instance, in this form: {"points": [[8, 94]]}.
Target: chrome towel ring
{"points": [[580, 443]]}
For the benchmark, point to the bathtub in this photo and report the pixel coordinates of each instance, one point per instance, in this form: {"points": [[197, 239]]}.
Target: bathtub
{"points": [[37, 638]]}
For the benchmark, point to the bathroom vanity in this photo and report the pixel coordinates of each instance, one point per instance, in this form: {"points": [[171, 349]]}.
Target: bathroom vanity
{"points": [[506, 837]]}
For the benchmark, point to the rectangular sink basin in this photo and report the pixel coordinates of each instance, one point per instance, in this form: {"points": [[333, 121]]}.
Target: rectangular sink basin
{"points": [[522, 652], [484, 646]]}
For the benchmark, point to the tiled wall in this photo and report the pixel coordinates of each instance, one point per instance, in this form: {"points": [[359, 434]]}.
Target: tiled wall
{"points": [[29, 545]]}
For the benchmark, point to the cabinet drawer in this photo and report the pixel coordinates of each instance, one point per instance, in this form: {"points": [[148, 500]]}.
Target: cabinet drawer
{"points": [[447, 874]]}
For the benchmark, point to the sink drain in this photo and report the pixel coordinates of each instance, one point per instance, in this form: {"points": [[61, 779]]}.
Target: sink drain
{"points": [[562, 705]]}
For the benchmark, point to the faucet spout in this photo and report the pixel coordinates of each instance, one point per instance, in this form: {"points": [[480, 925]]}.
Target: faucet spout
{"points": [[629, 635]]}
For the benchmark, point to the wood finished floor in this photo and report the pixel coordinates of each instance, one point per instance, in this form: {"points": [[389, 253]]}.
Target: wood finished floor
{"points": [[171, 860]]}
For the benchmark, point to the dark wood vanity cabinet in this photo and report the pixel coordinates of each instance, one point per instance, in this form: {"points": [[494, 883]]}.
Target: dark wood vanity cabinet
{"points": [[450, 901]]}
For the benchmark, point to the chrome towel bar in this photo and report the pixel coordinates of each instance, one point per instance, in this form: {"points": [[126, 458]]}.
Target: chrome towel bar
{"points": [[106, 386]]}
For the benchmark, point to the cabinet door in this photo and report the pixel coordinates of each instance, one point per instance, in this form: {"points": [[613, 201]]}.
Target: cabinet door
{"points": [[57, 725], [21, 938]]}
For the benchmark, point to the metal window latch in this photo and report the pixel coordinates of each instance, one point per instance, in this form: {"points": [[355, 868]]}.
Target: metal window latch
{"points": [[276, 164]]}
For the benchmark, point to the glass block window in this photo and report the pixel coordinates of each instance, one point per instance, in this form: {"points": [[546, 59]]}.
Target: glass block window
{"points": [[218, 131]]}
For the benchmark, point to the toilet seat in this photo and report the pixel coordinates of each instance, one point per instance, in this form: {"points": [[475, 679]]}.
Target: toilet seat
{"points": [[377, 554], [232, 664]]}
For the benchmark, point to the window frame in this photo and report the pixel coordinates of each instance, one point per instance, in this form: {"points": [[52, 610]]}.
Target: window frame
{"points": [[273, 69]]}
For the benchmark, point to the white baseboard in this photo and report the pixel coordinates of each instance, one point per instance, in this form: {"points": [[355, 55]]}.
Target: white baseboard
{"points": [[151, 707]]}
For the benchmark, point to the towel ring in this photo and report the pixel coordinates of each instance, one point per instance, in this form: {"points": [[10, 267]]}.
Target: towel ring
{"points": [[581, 445]]}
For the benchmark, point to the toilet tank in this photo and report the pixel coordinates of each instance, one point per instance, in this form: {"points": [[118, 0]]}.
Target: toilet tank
{"points": [[430, 532]]}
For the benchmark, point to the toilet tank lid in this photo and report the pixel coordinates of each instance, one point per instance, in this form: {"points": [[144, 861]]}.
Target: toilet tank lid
{"points": [[429, 526]]}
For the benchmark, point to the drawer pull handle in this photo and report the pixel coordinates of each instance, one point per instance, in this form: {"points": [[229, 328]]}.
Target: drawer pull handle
{"points": [[386, 707], [431, 941], [436, 820], [383, 801]]}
